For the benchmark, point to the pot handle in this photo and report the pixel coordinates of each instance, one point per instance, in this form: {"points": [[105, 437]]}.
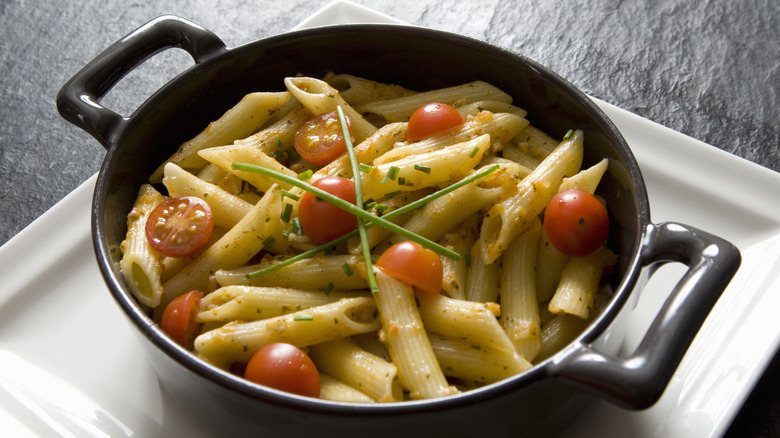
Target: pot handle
{"points": [[639, 380], [78, 100]]}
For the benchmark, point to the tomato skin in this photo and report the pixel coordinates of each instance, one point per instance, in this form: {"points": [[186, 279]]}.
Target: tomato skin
{"points": [[321, 140], [323, 221], [178, 318], [284, 367], [180, 227], [576, 222], [414, 264], [431, 119]]}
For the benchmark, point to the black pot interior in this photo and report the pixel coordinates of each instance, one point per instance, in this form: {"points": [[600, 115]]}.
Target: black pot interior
{"points": [[416, 58]]}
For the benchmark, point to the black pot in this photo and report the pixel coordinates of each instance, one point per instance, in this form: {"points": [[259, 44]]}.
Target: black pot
{"points": [[541, 401]]}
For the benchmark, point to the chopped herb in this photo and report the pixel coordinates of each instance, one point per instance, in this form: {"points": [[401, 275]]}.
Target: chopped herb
{"points": [[347, 269], [292, 154], [269, 241], [303, 318], [467, 260], [279, 144], [568, 135], [365, 168], [474, 152], [370, 203], [424, 169], [381, 207], [278, 154], [305, 175], [328, 288], [401, 180], [392, 194], [392, 172], [297, 228], [287, 212], [286, 194]]}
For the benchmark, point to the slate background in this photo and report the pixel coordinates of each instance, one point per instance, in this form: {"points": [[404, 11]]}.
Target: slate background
{"points": [[709, 69]]}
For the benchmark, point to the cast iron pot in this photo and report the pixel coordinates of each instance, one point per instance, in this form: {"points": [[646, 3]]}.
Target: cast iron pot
{"points": [[541, 401]]}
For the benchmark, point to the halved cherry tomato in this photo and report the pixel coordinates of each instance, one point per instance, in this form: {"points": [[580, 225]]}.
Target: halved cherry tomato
{"points": [[285, 367], [576, 222], [178, 318], [321, 140], [431, 119], [180, 227], [323, 221], [414, 264]]}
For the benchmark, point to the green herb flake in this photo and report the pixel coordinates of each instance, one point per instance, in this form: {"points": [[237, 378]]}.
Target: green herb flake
{"points": [[467, 260], [279, 144], [305, 175], [392, 173], [401, 180], [286, 194], [392, 194], [568, 135], [287, 212], [303, 318], [292, 154], [328, 288], [424, 169], [365, 168], [297, 228], [347, 269], [269, 241], [474, 152]]}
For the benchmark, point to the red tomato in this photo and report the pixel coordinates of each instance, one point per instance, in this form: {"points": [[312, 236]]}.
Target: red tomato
{"points": [[284, 367], [180, 227], [178, 318], [413, 264], [431, 119], [323, 221], [576, 222], [321, 140]]}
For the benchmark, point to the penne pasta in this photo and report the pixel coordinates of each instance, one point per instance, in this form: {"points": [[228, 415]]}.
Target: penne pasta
{"points": [[140, 264]]}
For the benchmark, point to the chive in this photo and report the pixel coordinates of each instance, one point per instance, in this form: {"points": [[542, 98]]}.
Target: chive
{"points": [[401, 180], [297, 228], [305, 175], [279, 144], [381, 207], [424, 169], [568, 135], [349, 207], [392, 172], [370, 203], [372, 284], [474, 152], [292, 154], [395, 213], [467, 260], [269, 241], [347, 269], [287, 212], [328, 288], [365, 168], [392, 194], [286, 194], [303, 318]]}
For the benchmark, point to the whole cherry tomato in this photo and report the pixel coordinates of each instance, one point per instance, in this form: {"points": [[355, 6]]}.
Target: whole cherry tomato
{"points": [[432, 119], [414, 264], [323, 221], [576, 222], [178, 318], [284, 367]]}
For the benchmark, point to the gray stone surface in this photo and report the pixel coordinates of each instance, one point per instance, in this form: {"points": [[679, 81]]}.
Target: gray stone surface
{"points": [[708, 69]]}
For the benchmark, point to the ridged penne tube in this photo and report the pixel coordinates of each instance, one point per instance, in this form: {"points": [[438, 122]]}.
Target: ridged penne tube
{"points": [[452, 162], [482, 279], [240, 121], [401, 108], [140, 264], [455, 271], [579, 282], [248, 303], [466, 361], [366, 372], [237, 341], [406, 339], [494, 106], [339, 272], [510, 217], [224, 157], [319, 97], [500, 127], [334, 389], [441, 215], [227, 209], [234, 249], [357, 90], [279, 135], [472, 322], [536, 142], [586, 179], [558, 332], [519, 308]]}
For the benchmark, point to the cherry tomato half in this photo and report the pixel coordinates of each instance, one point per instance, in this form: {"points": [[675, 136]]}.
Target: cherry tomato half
{"points": [[321, 140], [284, 367], [178, 318], [431, 119], [180, 227], [576, 222], [414, 264], [323, 221]]}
